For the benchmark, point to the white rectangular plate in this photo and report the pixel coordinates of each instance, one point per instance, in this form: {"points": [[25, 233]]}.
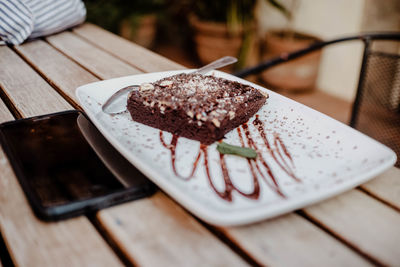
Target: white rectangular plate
{"points": [[311, 157]]}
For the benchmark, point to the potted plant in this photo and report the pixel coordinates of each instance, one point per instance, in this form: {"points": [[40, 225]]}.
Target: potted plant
{"points": [[140, 21], [222, 28], [299, 74], [226, 27], [133, 20]]}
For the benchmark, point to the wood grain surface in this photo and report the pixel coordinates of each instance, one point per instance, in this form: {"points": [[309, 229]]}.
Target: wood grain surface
{"points": [[5, 114], [26, 90], [61, 72], [368, 225], [157, 232], [125, 50], [272, 242], [30, 241], [386, 187], [100, 62]]}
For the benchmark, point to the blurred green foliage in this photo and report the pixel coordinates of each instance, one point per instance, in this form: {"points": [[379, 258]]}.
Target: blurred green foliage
{"points": [[109, 13], [225, 10], [231, 11], [173, 16]]}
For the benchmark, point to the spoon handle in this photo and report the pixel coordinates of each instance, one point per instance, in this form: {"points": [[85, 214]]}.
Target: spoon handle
{"points": [[117, 103], [224, 61]]}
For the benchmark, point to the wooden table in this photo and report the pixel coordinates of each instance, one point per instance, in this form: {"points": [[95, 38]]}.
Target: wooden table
{"points": [[358, 228]]}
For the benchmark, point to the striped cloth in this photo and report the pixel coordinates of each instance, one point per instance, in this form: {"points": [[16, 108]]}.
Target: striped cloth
{"points": [[23, 19]]}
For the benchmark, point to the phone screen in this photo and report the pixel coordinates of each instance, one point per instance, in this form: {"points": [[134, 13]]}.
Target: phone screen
{"points": [[57, 167]]}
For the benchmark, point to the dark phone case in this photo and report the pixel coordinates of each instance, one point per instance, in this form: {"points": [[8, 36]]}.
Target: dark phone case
{"points": [[114, 196]]}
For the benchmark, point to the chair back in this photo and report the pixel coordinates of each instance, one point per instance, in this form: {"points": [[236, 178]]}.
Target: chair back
{"points": [[376, 109]]}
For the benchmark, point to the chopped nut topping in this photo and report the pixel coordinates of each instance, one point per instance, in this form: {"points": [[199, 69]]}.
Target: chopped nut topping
{"points": [[190, 114], [213, 113], [146, 87], [216, 122], [264, 94], [231, 115], [198, 116], [199, 123], [167, 83]]}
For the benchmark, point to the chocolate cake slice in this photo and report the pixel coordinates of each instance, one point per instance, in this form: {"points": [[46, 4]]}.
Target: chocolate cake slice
{"points": [[195, 106]]}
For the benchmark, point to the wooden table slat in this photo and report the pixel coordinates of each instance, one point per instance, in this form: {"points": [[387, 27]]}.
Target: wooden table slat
{"points": [[157, 226], [273, 240], [92, 58], [386, 187], [121, 48], [5, 114], [366, 224], [32, 242], [28, 92], [60, 70]]}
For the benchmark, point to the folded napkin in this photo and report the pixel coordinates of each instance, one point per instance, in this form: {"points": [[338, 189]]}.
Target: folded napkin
{"points": [[23, 19]]}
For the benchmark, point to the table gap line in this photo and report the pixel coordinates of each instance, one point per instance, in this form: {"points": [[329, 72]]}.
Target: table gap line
{"points": [[5, 255], [109, 240], [48, 80], [230, 243], [226, 240], [376, 197], [112, 54], [336, 236], [10, 104]]}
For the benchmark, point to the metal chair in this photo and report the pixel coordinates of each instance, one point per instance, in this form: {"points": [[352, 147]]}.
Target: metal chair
{"points": [[376, 108]]}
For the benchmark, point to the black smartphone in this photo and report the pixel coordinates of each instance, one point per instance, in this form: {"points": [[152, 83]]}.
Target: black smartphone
{"points": [[67, 168]]}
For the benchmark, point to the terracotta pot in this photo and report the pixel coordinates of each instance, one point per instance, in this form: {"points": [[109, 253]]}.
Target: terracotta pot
{"points": [[141, 30], [214, 40], [297, 75]]}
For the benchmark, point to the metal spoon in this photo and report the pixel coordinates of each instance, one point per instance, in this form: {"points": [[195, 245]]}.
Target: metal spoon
{"points": [[117, 102]]}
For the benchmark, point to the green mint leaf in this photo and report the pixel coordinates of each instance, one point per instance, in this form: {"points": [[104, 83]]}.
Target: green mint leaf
{"points": [[246, 152]]}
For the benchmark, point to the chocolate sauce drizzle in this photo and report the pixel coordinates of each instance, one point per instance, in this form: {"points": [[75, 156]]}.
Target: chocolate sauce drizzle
{"points": [[172, 149], [276, 153], [277, 150]]}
